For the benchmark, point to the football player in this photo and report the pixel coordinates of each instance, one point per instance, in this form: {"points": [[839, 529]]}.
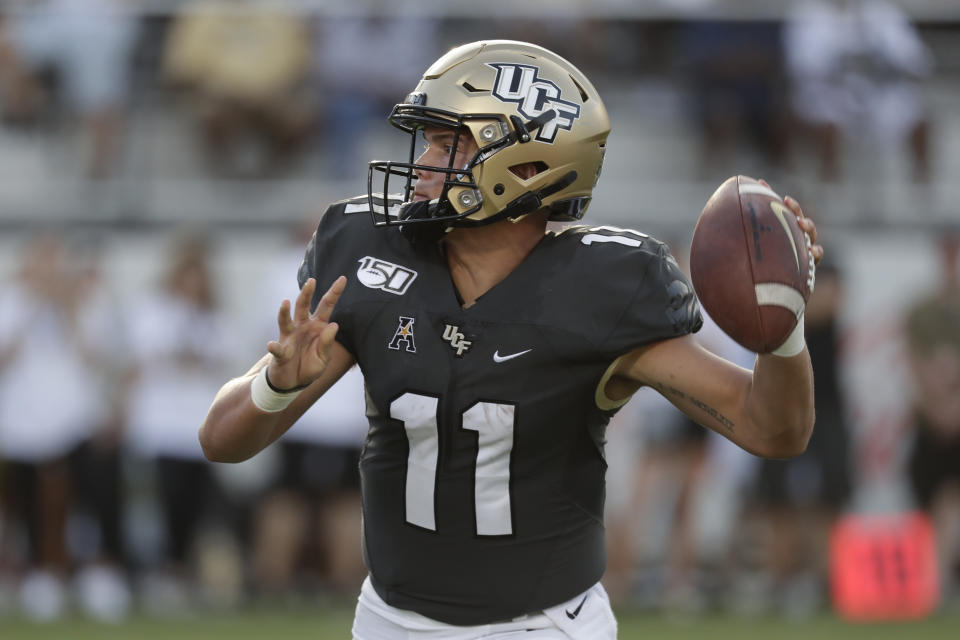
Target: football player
{"points": [[494, 353]]}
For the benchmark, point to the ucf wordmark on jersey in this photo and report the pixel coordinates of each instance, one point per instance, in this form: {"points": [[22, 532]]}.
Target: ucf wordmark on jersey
{"points": [[483, 469]]}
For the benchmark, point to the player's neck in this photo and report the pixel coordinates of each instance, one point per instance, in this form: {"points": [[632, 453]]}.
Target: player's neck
{"points": [[480, 257]]}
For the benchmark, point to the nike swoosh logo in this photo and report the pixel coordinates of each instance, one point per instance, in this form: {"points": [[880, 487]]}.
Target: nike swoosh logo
{"points": [[499, 358], [576, 611]]}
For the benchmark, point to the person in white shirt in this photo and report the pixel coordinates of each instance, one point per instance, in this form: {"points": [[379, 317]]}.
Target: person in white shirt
{"points": [[54, 375], [179, 338], [856, 68]]}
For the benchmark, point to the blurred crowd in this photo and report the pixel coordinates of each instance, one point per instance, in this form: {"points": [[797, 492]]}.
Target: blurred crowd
{"points": [[107, 505], [263, 86], [104, 490]]}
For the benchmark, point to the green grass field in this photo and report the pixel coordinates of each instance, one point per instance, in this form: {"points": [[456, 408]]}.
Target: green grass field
{"points": [[334, 624]]}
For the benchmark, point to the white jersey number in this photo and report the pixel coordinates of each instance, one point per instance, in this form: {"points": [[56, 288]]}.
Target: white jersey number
{"points": [[494, 424]]}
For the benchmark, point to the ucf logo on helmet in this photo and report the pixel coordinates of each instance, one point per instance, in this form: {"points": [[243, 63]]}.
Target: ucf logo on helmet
{"points": [[521, 84]]}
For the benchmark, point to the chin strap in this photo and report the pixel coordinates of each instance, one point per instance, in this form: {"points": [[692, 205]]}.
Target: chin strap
{"points": [[532, 200]]}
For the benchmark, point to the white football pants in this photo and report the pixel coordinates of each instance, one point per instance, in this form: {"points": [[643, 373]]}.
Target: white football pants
{"points": [[588, 616]]}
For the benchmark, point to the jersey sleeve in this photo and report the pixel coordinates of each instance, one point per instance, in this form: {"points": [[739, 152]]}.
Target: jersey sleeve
{"points": [[663, 306], [308, 268]]}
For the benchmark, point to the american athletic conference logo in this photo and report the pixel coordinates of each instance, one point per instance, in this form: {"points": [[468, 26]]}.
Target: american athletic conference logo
{"points": [[522, 85]]}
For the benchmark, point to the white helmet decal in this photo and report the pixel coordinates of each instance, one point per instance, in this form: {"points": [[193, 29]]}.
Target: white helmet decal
{"points": [[521, 84]]}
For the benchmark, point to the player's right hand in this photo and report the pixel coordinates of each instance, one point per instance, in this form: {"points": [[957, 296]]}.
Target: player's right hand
{"points": [[302, 350]]}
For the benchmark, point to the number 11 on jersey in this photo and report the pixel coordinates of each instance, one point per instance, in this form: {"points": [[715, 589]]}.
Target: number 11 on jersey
{"points": [[494, 424]]}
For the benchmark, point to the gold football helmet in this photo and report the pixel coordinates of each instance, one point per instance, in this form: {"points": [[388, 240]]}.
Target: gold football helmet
{"points": [[523, 105]]}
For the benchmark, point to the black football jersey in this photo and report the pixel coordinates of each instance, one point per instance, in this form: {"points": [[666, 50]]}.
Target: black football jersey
{"points": [[483, 470]]}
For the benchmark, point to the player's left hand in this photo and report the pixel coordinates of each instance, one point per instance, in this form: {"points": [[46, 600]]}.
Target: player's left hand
{"points": [[302, 351]]}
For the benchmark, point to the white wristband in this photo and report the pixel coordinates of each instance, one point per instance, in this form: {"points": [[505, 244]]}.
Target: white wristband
{"points": [[265, 398], [794, 343]]}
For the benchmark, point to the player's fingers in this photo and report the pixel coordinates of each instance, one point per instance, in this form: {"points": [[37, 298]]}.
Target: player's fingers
{"points": [[817, 251], [330, 299], [327, 336], [805, 223], [284, 323], [810, 227], [329, 332], [793, 205], [301, 312], [278, 350]]}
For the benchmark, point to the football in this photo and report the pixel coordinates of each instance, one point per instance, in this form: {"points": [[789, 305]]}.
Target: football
{"points": [[751, 264]]}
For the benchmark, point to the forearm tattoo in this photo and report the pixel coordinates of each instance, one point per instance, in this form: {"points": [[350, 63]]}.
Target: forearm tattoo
{"points": [[703, 406]]}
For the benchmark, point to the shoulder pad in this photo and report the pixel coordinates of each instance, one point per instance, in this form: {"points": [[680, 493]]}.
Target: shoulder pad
{"points": [[632, 277]]}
